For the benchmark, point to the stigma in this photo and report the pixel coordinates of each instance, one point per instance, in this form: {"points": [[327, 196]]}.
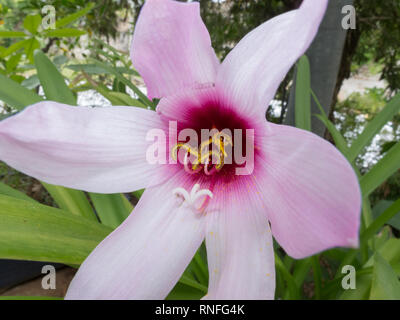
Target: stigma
{"points": [[193, 198]]}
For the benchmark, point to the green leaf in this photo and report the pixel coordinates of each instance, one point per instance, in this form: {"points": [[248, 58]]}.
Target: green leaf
{"points": [[385, 283], [32, 23], [8, 191], [52, 81], [91, 68], [31, 231], [301, 269], [116, 98], [303, 95], [386, 167], [194, 284], [138, 193], [184, 292], [362, 291], [13, 48], [74, 16], [317, 276], [390, 251], [60, 60], [380, 221], [30, 45], [197, 268], [31, 82], [17, 78], [12, 34], [374, 127], [340, 141], [71, 200], [16, 95], [13, 62], [66, 32], [125, 99], [292, 288], [125, 81], [103, 90], [112, 209], [381, 207], [88, 68]]}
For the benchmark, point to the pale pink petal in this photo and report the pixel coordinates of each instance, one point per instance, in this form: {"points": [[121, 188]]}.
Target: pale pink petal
{"points": [[239, 250], [145, 257], [310, 191], [93, 149], [254, 69], [171, 48]]}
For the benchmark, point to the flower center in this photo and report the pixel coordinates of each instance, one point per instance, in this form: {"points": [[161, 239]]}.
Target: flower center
{"points": [[210, 160]]}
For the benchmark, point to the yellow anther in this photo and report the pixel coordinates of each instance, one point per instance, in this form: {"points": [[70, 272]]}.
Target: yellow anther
{"points": [[184, 146], [220, 139]]}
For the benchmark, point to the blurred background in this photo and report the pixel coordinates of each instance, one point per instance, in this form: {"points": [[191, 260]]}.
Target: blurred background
{"points": [[355, 72]]}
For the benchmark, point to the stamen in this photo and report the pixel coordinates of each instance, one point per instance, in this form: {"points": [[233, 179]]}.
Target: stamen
{"points": [[206, 171], [181, 145], [219, 139], [186, 165]]}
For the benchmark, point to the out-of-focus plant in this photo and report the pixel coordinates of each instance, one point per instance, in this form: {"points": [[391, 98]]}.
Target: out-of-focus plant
{"points": [[351, 117], [109, 74], [35, 35], [101, 21]]}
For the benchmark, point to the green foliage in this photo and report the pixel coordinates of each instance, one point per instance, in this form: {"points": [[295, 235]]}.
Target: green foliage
{"points": [[378, 35], [52, 81], [385, 282], [16, 95], [31, 231]]}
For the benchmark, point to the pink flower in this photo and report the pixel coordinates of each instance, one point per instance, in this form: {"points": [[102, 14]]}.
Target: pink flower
{"points": [[300, 186]]}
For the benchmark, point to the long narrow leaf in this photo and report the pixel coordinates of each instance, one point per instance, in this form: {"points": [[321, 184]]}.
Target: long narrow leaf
{"points": [[16, 95], [62, 33], [381, 171], [74, 16], [74, 201], [36, 232], [30, 45], [380, 221], [125, 81], [303, 95], [112, 209], [12, 34], [52, 81], [8, 191], [340, 141], [373, 128]]}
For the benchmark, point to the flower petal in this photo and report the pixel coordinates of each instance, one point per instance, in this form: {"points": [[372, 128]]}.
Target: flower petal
{"points": [[146, 255], [93, 149], [254, 69], [239, 251], [311, 192], [171, 48]]}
